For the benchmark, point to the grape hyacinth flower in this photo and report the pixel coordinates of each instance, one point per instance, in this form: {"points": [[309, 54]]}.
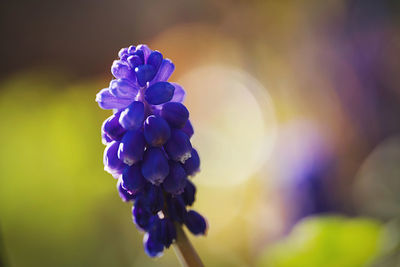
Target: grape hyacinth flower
{"points": [[148, 148]]}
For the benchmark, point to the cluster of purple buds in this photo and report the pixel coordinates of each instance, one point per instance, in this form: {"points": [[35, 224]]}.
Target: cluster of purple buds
{"points": [[148, 146]]}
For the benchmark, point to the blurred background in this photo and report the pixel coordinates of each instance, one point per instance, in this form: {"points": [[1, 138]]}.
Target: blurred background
{"points": [[296, 110]]}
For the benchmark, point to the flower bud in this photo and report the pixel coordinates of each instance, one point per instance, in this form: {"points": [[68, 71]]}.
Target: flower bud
{"points": [[196, 223], [176, 208], [155, 165], [156, 130], [134, 61], [112, 164], [121, 70], [175, 182], [112, 128], [144, 73], [124, 194], [159, 93], [178, 146], [131, 49], [131, 148], [155, 60], [175, 113], [154, 198], [153, 240], [168, 232], [165, 70], [142, 217], [122, 52], [188, 129], [192, 165], [105, 139], [138, 53], [189, 193], [132, 178], [145, 50], [132, 117], [123, 88], [106, 100]]}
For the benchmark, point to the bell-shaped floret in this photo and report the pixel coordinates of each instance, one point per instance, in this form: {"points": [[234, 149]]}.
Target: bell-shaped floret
{"points": [[132, 178], [192, 165], [155, 165], [156, 130], [178, 146], [196, 223], [189, 193], [176, 179], [112, 163], [133, 116], [132, 145], [175, 113], [159, 93]]}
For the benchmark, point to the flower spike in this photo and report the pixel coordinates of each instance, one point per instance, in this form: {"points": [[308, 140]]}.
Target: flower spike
{"points": [[148, 148]]}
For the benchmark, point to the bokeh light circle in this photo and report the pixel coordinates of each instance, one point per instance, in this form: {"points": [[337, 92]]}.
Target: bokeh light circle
{"points": [[234, 121]]}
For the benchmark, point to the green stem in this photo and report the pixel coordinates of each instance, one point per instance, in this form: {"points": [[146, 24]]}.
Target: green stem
{"points": [[184, 250]]}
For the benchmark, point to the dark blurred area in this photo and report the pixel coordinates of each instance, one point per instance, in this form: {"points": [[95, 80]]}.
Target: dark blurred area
{"points": [[78, 35], [82, 36], [296, 106]]}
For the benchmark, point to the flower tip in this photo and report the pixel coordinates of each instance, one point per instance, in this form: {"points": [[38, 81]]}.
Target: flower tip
{"points": [[196, 223], [152, 248]]}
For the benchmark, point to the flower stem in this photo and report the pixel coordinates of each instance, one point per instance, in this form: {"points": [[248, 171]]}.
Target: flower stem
{"points": [[184, 250]]}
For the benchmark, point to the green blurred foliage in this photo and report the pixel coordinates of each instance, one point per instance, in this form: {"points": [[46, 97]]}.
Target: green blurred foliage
{"points": [[329, 241], [58, 207]]}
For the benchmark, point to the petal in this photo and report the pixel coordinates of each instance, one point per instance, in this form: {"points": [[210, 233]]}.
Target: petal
{"points": [[179, 93], [159, 93], [165, 71], [107, 101], [123, 88]]}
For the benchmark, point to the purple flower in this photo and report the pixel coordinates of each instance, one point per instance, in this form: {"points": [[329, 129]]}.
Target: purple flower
{"points": [[148, 145], [196, 223]]}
